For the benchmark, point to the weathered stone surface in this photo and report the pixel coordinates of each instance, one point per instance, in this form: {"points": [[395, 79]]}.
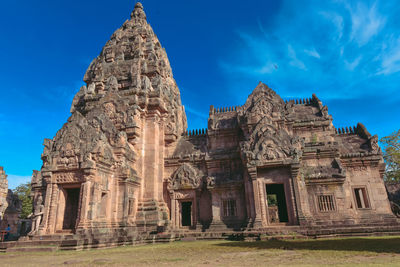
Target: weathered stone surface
{"points": [[111, 149], [12, 214], [393, 189], [124, 163], [3, 192], [10, 209]]}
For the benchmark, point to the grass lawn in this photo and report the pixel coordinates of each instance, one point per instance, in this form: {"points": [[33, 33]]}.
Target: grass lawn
{"points": [[369, 251]]}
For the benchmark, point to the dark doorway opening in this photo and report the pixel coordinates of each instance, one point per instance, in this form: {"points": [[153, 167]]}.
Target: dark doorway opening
{"points": [[71, 208], [186, 213], [277, 208]]}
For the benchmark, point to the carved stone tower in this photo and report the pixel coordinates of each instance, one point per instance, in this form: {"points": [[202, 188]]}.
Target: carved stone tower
{"points": [[105, 167]]}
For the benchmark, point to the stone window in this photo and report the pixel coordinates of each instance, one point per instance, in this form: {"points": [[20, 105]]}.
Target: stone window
{"points": [[229, 207], [326, 203], [361, 198]]}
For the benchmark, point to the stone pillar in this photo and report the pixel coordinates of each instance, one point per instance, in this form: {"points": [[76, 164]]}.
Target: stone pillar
{"points": [[45, 219], [152, 151], [216, 210], [85, 200], [258, 221], [174, 211], [263, 203], [197, 201], [152, 211], [249, 199], [299, 199], [53, 208], [293, 202]]}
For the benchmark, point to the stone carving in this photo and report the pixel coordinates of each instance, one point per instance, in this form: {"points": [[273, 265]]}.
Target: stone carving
{"points": [[266, 143], [333, 171], [210, 181], [324, 112], [68, 177], [262, 103], [186, 177], [373, 143], [112, 84], [12, 213], [37, 215], [134, 60], [36, 179], [91, 89], [185, 195]]}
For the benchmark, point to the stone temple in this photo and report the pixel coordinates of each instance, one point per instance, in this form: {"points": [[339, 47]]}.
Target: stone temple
{"points": [[124, 164]]}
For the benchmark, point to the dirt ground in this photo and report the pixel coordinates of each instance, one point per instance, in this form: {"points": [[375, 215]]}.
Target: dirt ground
{"points": [[371, 251]]}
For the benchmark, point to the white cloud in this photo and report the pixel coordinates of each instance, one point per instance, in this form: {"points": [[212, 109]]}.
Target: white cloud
{"points": [[196, 113], [337, 45], [353, 64], [312, 53], [268, 68], [390, 57], [337, 21], [366, 22], [295, 62]]}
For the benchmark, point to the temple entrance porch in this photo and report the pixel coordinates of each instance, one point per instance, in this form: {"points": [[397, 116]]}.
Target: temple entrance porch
{"points": [[71, 208], [68, 208], [276, 197], [186, 213], [184, 209], [276, 201]]}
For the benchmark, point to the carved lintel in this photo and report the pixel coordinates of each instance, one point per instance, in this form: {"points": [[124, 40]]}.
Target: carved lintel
{"points": [[183, 194], [68, 177]]}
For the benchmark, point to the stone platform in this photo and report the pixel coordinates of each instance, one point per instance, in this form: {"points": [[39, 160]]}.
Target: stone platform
{"points": [[47, 243]]}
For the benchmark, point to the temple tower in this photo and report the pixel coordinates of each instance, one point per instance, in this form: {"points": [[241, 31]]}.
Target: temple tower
{"points": [[105, 167]]}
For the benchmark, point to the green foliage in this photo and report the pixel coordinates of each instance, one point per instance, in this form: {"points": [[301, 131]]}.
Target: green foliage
{"points": [[272, 200], [314, 138], [23, 192], [391, 154]]}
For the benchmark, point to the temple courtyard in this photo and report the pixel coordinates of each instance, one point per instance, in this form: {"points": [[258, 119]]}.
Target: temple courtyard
{"points": [[362, 251]]}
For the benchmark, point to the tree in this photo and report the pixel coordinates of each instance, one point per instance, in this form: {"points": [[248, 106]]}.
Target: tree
{"points": [[23, 192], [391, 155]]}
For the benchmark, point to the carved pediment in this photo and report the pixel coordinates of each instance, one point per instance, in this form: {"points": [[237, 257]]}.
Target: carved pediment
{"points": [[186, 177], [269, 143], [262, 103]]}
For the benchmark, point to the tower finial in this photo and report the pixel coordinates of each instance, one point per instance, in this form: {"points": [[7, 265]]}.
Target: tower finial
{"points": [[138, 12], [138, 5]]}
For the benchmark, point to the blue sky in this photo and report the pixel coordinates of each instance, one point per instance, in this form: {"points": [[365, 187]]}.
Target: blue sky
{"points": [[347, 52]]}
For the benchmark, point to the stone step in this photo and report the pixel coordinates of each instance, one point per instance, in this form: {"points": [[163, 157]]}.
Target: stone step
{"points": [[18, 244], [32, 249], [58, 236]]}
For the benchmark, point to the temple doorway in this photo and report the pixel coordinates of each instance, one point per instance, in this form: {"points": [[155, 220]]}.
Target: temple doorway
{"points": [[186, 213], [71, 208], [277, 208]]}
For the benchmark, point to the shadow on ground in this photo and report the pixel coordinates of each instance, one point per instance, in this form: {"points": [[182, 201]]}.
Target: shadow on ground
{"points": [[379, 245]]}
